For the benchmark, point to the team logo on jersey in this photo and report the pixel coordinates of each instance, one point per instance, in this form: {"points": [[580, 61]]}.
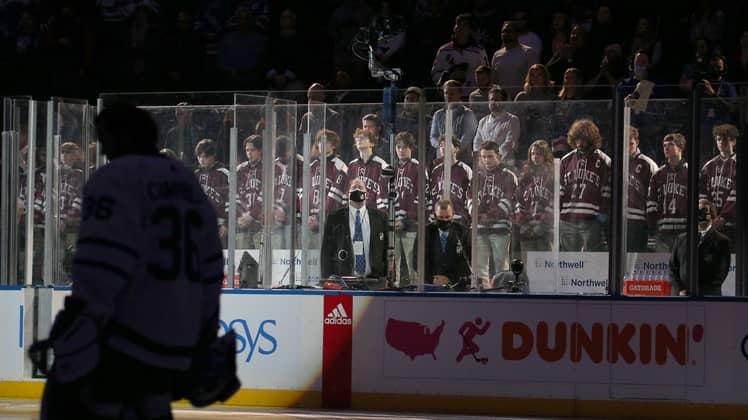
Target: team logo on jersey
{"points": [[338, 316]]}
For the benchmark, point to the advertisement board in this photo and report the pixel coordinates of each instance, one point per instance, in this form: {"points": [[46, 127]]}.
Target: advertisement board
{"points": [[247, 275], [575, 273], [648, 274]]}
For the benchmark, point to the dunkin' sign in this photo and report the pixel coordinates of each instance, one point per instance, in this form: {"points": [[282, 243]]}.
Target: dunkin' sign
{"points": [[620, 342]]}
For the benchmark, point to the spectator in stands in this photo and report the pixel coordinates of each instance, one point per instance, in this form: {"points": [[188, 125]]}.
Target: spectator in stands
{"points": [[319, 116], [485, 15], [511, 62], [535, 200], [408, 173], [185, 54], [604, 30], [738, 63], [667, 199], [409, 120], [391, 35], [575, 54], [585, 190], [524, 35], [697, 69], [241, 53], [249, 211], [538, 85], [715, 84], [717, 181], [368, 167], [461, 176], [464, 122], [639, 73], [459, 58], [573, 86], [557, 35], [500, 127], [373, 124], [479, 97], [713, 255], [183, 137], [496, 204], [641, 169], [213, 177], [708, 22], [612, 71], [646, 39], [290, 55]]}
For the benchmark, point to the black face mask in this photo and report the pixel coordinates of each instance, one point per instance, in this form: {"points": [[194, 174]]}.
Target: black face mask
{"points": [[357, 196], [444, 224]]}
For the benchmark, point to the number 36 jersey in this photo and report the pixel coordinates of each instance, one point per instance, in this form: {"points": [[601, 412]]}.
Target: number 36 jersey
{"points": [[148, 259]]}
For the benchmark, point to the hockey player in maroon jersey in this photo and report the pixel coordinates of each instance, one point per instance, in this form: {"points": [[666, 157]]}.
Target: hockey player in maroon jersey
{"points": [[368, 167], [408, 173], [336, 173], [535, 199], [641, 168], [69, 204], [584, 189], [249, 187], [717, 180], [667, 199], [213, 177], [461, 175], [497, 196], [147, 280]]}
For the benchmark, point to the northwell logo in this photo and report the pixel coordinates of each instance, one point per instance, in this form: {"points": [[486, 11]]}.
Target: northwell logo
{"points": [[338, 316]]}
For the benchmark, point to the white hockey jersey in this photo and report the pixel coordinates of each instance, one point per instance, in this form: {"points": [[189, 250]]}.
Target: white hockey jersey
{"points": [[148, 261]]}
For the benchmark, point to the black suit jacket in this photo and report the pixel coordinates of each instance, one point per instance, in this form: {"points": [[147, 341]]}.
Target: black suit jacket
{"points": [[714, 262], [455, 262], [337, 247]]}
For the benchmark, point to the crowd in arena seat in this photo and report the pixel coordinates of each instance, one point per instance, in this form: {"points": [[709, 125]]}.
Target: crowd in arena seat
{"points": [[83, 47]]}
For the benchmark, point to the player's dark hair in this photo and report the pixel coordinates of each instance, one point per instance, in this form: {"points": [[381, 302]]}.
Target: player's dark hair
{"points": [[122, 129], [256, 141], [205, 147]]}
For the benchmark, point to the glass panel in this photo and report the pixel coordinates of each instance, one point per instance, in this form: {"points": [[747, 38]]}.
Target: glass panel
{"points": [[718, 185], [284, 166], [67, 140], [246, 212], [656, 193]]}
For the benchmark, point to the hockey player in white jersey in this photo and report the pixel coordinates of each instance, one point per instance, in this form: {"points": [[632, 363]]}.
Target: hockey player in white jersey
{"points": [[146, 282]]}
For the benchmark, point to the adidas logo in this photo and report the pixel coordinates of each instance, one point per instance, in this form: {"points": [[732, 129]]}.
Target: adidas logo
{"points": [[338, 316]]}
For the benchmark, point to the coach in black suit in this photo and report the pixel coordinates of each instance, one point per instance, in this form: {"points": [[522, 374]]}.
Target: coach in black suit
{"points": [[448, 264], [341, 251], [714, 256]]}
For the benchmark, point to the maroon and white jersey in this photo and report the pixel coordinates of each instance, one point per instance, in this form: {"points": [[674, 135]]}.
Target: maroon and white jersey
{"points": [[148, 259], [68, 196], [376, 184], [585, 185], [535, 195], [71, 186], [667, 200], [497, 196], [335, 185], [407, 176], [40, 180], [459, 193], [641, 168], [451, 54], [285, 190], [215, 184], [717, 184], [249, 188]]}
